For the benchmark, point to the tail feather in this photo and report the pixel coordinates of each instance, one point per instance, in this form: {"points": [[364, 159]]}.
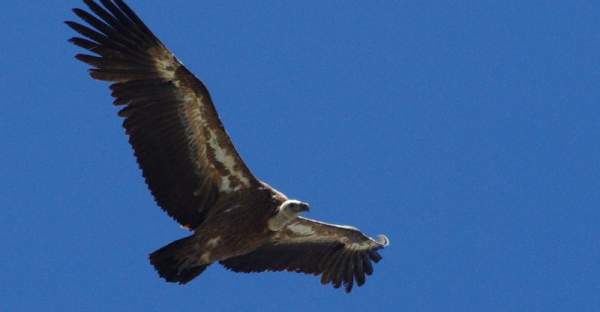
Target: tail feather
{"points": [[177, 262]]}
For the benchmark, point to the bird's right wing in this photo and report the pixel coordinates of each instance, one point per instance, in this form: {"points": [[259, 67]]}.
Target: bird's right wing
{"points": [[180, 144], [342, 254]]}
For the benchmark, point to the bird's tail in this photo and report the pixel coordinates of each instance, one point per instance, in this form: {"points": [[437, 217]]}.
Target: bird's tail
{"points": [[177, 262]]}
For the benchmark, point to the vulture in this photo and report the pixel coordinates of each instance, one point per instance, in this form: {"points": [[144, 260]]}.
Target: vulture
{"points": [[195, 173]]}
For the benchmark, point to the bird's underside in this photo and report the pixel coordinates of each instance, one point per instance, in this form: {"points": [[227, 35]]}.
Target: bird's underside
{"points": [[194, 172]]}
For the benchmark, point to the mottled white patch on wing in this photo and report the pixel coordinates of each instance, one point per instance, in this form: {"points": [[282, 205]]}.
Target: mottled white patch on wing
{"points": [[351, 237], [205, 257], [301, 229], [214, 145], [166, 63], [213, 242], [360, 246], [228, 161], [231, 179], [370, 243]]}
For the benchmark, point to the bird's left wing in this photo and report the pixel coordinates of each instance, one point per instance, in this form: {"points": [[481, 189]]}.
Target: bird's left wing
{"points": [[185, 154], [342, 254]]}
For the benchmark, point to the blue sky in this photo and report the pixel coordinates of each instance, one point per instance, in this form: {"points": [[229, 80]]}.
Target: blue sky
{"points": [[468, 132]]}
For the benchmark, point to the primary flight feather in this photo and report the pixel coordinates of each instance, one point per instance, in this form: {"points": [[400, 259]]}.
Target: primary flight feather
{"points": [[196, 175]]}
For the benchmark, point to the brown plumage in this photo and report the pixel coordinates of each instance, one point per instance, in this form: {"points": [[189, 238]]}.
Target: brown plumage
{"points": [[194, 172]]}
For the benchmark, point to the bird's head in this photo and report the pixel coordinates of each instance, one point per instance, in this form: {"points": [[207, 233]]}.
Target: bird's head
{"points": [[292, 206], [286, 213]]}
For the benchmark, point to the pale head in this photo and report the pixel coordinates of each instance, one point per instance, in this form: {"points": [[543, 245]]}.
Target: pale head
{"points": [[286, 213], [293, 206]]}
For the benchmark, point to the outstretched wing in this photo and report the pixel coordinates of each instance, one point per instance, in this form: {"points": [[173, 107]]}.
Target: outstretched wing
{"points": [[180, 144], [342, 254]]}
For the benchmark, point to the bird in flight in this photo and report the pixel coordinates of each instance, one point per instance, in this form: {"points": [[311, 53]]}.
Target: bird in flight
{"points": [[195, 173]]}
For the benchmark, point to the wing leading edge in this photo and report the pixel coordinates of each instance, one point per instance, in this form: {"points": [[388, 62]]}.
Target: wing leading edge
{"points": [[341, 255], [185, 154]]}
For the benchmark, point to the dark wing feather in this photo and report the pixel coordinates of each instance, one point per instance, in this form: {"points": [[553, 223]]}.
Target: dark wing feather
{"points": [[181, 146], [341, 254]]}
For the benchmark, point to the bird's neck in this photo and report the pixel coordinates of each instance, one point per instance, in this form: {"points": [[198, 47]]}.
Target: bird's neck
{"points": [[282, 218]]}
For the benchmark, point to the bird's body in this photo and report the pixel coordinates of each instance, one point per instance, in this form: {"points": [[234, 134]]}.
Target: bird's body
{"points": [[218, 237], [194, 172]]}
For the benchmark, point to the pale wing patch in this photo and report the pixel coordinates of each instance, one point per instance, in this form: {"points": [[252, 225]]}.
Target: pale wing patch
{"points": [[233, 179], [366, 245], [221, 159], [165, 62], [370, 243], [213, 242], [205, 257], [301, 229]]}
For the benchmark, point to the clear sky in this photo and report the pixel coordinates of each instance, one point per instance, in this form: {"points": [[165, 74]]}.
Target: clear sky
{"points": [[468, 132]]}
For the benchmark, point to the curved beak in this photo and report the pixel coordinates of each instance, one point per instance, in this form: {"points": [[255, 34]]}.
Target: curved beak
{"points": [[304, 207]]}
